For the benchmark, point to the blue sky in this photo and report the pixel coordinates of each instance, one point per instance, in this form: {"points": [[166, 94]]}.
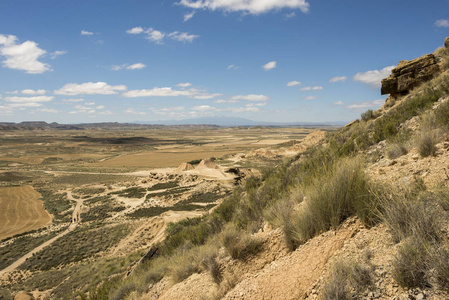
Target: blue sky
{"points": [[264, 60]]}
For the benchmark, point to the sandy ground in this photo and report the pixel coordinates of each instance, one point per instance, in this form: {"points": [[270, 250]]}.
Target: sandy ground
{"points": [[21, 211]]}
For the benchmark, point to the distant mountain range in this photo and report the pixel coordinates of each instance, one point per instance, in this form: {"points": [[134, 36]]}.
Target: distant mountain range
{"points": [[200, 122]]}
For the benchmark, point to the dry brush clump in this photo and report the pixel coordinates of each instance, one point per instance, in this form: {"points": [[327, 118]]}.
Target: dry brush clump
{"points": [[347, 280]]}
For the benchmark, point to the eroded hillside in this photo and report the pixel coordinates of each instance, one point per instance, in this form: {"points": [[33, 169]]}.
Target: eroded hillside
{"points": [[363, 214]]}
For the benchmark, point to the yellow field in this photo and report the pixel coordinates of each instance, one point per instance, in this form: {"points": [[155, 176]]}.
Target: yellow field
{"points": [[20, 211]]}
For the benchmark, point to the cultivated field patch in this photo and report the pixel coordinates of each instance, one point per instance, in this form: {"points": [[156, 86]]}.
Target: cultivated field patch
{"points": [[21, 211]]}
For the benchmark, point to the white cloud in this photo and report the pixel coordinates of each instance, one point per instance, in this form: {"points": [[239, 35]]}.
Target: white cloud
{"points": [[118, 67], [182, 36], [374, 77], [158, 37], [311, 88], [204, 108], [23, 56], [89, 103], [338, 79], [157, 92], [100, 107], [106, 112], [90, 88], [34, 99], [251, 97], [57, 53], [72, 100], [367, 104], [226, 101], [132, 111], [13, 92], [169, 92], [189, 16], [309, 98], [137, 66], [85, 32], [48, 110], [290, 15], [155, 35], [293, 83], [33, 92], [135, 30], [29, 104], [339, 102], [233, 67], [442, 23], [184, 85], [269, 66], [246, 6]]}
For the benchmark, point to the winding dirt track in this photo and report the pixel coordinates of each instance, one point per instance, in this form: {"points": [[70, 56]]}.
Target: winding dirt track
{"points": [[21, 211], [75, 220]]}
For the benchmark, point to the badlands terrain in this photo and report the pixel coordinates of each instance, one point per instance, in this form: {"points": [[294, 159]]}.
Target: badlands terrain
{"points": [[73, 201]]}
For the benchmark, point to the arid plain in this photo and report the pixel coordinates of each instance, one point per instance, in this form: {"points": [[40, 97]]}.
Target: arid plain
{"points": [[92, 194]]}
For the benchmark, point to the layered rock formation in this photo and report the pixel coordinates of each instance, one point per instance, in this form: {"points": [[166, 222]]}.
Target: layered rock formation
{"points": [[409, 74]]}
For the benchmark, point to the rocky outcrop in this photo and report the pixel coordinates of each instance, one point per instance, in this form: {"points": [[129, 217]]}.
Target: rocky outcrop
{"points": [[410, 73]]}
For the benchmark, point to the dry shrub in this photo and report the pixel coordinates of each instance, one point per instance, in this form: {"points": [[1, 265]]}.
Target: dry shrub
{"points": [[281, 215], [439, 264], [240, 244], [345, 278], [406, 216], [396, 150], [339, 193], [409, 265]]}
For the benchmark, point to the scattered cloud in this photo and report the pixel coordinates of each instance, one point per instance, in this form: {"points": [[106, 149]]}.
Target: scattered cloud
{"points": [[106, 112], [157, 92], [204, 108], [135, 30], [374, 77], [219, 101], [184, 85], [34, 99], [57, 53], [136, 66], [170, 92], [24, 57], [21, 102], [309, 98], [367, 104], [118, 67], [90, 88], [158, 37], [132, 111], [290, 15], [442, 23], [85, 32], [189, 16], [182, 36], [72, 100], [233, 67], [13, 92], [246, 6], [269, 66], [293, 83], [100, 107], [339, 102], [33, 92], [311, 88], [48, 110], [338, 79], [251, 97]]}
